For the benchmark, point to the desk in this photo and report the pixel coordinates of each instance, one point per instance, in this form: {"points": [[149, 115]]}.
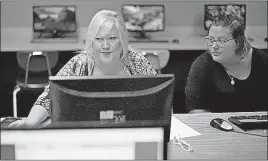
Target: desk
{"points": [[217, 144], [19, 39]]}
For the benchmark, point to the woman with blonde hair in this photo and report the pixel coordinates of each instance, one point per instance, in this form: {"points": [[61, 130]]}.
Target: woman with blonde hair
{"points": [[106, 52]]}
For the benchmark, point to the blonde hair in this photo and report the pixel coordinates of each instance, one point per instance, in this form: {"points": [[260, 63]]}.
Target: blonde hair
{"points": [[108, 19]]}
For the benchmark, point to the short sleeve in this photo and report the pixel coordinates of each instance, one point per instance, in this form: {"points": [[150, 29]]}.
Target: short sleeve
{"points": [[74, 67]]}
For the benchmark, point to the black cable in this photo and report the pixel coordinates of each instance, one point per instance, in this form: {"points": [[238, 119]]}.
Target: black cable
{"points": [[250, 133]]}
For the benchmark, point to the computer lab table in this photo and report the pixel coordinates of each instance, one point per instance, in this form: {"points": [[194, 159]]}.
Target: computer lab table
{"points": [[217, 144]]}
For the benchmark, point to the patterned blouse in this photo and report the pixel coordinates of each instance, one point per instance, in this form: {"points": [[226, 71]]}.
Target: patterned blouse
{"points": [[78, 66]]}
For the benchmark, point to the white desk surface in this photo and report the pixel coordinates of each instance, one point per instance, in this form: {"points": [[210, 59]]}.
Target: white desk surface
{"points": [[189, 43], [190, 38]]}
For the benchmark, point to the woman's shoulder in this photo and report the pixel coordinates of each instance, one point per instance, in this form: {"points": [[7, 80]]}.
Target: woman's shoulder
{"points": [[202, 61], [261, 53], [76, 66], [261, 58], [138, 64], [135, 55], [80, 57]]}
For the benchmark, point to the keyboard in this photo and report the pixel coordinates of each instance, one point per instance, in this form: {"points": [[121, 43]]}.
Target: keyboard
{"points": [[250, 122]]}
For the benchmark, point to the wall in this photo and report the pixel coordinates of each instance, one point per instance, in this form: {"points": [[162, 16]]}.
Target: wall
{"points": [[19, 13], [16, 18]]}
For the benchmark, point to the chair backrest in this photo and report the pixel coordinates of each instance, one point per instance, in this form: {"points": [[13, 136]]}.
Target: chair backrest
{"points": [[37, 61], [158, 58]]}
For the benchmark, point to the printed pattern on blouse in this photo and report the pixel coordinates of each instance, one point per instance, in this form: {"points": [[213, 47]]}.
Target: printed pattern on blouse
{"points": [[78, 66]]}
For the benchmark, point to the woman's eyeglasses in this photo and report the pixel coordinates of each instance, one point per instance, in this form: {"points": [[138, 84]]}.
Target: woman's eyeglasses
{"points": [[221, 42]]}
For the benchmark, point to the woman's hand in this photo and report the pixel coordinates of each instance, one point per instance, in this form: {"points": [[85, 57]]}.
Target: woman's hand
{"points": [[18, 124], [24, 123]]}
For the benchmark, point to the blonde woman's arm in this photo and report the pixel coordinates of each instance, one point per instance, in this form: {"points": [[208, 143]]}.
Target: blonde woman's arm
{"points": [[41, 108]]}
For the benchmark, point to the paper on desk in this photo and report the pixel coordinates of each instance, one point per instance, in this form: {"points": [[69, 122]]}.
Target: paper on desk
{"points": [[178, 127]]}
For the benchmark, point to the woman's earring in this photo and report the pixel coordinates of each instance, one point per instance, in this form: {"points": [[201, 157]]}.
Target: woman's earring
{"points": [[243, 56], [92, 56], [121, 55]]}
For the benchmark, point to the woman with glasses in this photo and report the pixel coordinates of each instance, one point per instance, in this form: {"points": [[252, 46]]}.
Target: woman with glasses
{"points": [[232, 76]]}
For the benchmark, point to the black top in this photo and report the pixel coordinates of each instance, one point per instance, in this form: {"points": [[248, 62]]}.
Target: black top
{"points": [[209, 86]]}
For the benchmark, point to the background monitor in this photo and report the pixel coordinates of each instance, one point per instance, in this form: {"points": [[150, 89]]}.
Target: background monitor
{"points": [[144, 18], [83, 144], [54, 21], [214, 10]]}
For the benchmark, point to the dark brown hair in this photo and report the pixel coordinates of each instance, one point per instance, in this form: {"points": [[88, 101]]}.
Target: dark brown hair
{"points": [[237, 29]]}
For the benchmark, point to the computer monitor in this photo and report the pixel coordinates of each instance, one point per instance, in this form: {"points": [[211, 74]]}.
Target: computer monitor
{"points": [[83, 143], [112, 101], [54, 21], [215, 10], [144, 18]]}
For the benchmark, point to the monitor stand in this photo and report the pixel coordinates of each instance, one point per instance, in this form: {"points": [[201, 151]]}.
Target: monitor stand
{"points": [[142, 35]]}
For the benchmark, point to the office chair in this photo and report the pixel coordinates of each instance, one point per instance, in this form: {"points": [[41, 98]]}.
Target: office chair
{"points": [[34, 64], [158, 58]]}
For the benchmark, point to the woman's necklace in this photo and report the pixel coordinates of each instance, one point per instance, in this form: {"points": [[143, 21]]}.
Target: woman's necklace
{"points": [[248, 67], [232, 79]]}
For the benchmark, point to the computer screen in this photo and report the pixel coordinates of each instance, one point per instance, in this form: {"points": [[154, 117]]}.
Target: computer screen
{"points": [[54, 21], [112, 101], [215, 10], [144, 18], [83, 143]]}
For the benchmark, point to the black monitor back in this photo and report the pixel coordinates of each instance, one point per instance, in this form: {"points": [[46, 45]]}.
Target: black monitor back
{"points": [[135, 99]]}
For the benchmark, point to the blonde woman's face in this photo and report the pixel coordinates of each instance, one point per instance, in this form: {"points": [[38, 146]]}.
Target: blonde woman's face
{"points": [[107, 46]]}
